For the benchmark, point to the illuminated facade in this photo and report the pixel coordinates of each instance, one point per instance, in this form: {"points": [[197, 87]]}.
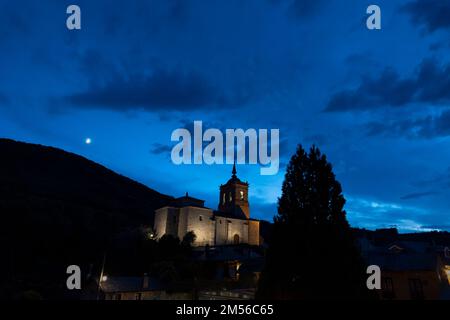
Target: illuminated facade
{"points": [[231, 224]]}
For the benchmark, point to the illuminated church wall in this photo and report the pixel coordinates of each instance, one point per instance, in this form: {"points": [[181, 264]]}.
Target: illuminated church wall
{"points": [[230, 225], [166, 221], [237, 231], [221, 230], [200, 221], [183, 222], [209, 229], [253, 233]]}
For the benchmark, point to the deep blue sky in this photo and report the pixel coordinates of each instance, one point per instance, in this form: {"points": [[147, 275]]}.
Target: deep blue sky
{"points": [[376, 102]]}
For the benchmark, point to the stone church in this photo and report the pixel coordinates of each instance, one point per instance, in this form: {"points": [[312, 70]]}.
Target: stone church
{"points": [[230, 224]]}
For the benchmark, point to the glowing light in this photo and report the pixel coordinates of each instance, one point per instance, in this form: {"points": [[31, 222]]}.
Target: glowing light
{"points": [[104, 278], [88, 141]]}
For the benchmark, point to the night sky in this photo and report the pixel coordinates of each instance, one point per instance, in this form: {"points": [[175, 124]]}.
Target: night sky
{"points": [[376, 102]]}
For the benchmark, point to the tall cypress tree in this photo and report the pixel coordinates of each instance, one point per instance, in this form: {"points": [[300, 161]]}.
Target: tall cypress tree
{"points": [[312, 253]]}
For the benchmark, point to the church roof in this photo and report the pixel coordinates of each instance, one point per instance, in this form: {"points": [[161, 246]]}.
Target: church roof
{"points": [[187, 200], [232, 215]]}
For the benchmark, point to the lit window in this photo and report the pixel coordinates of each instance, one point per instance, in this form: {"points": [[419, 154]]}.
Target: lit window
{"points": [[242, 194], [231, 199]]}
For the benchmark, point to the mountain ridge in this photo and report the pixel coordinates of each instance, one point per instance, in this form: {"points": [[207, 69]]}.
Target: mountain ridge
{"points": [[59, 208]]}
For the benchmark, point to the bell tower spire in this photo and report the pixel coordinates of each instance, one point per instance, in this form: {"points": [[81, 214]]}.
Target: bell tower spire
{"points": [[234, 196], [234, 171]]}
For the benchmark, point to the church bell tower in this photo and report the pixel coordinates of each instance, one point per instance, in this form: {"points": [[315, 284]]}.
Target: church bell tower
{"points": [[234, 197]]}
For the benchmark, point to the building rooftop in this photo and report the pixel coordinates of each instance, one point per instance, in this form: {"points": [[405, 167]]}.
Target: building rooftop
{"points": [[187, 201]]}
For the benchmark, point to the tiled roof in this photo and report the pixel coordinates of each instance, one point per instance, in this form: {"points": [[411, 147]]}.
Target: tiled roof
{"points": [[188, 201]]}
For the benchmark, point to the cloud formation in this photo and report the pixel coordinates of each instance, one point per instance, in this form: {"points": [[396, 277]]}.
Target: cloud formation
{"points": [[300, 9], [162, 90], [430, 84], [418, 195], [429, 14], [427, 127], [158, 148], [305, 8]]}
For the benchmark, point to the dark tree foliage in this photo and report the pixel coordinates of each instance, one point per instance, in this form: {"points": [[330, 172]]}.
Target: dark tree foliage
{"points": [[134, 253], [189, 239], [312, 254]]}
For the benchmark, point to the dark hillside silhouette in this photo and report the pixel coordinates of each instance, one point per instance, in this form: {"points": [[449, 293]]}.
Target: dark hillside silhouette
{"points": [[58, 208]]}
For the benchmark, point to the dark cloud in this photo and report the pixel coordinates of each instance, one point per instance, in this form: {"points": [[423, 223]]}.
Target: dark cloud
{"points": [[430, 84], [163, 90], [305, 8], [95, 66], [158, 148], [393, 128], [300, 8], [439, 182], [418, 195], [436, 46], [436, 126], [387, 89], [13, 23], [424, 127], [429, 14], [178, 9]]}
